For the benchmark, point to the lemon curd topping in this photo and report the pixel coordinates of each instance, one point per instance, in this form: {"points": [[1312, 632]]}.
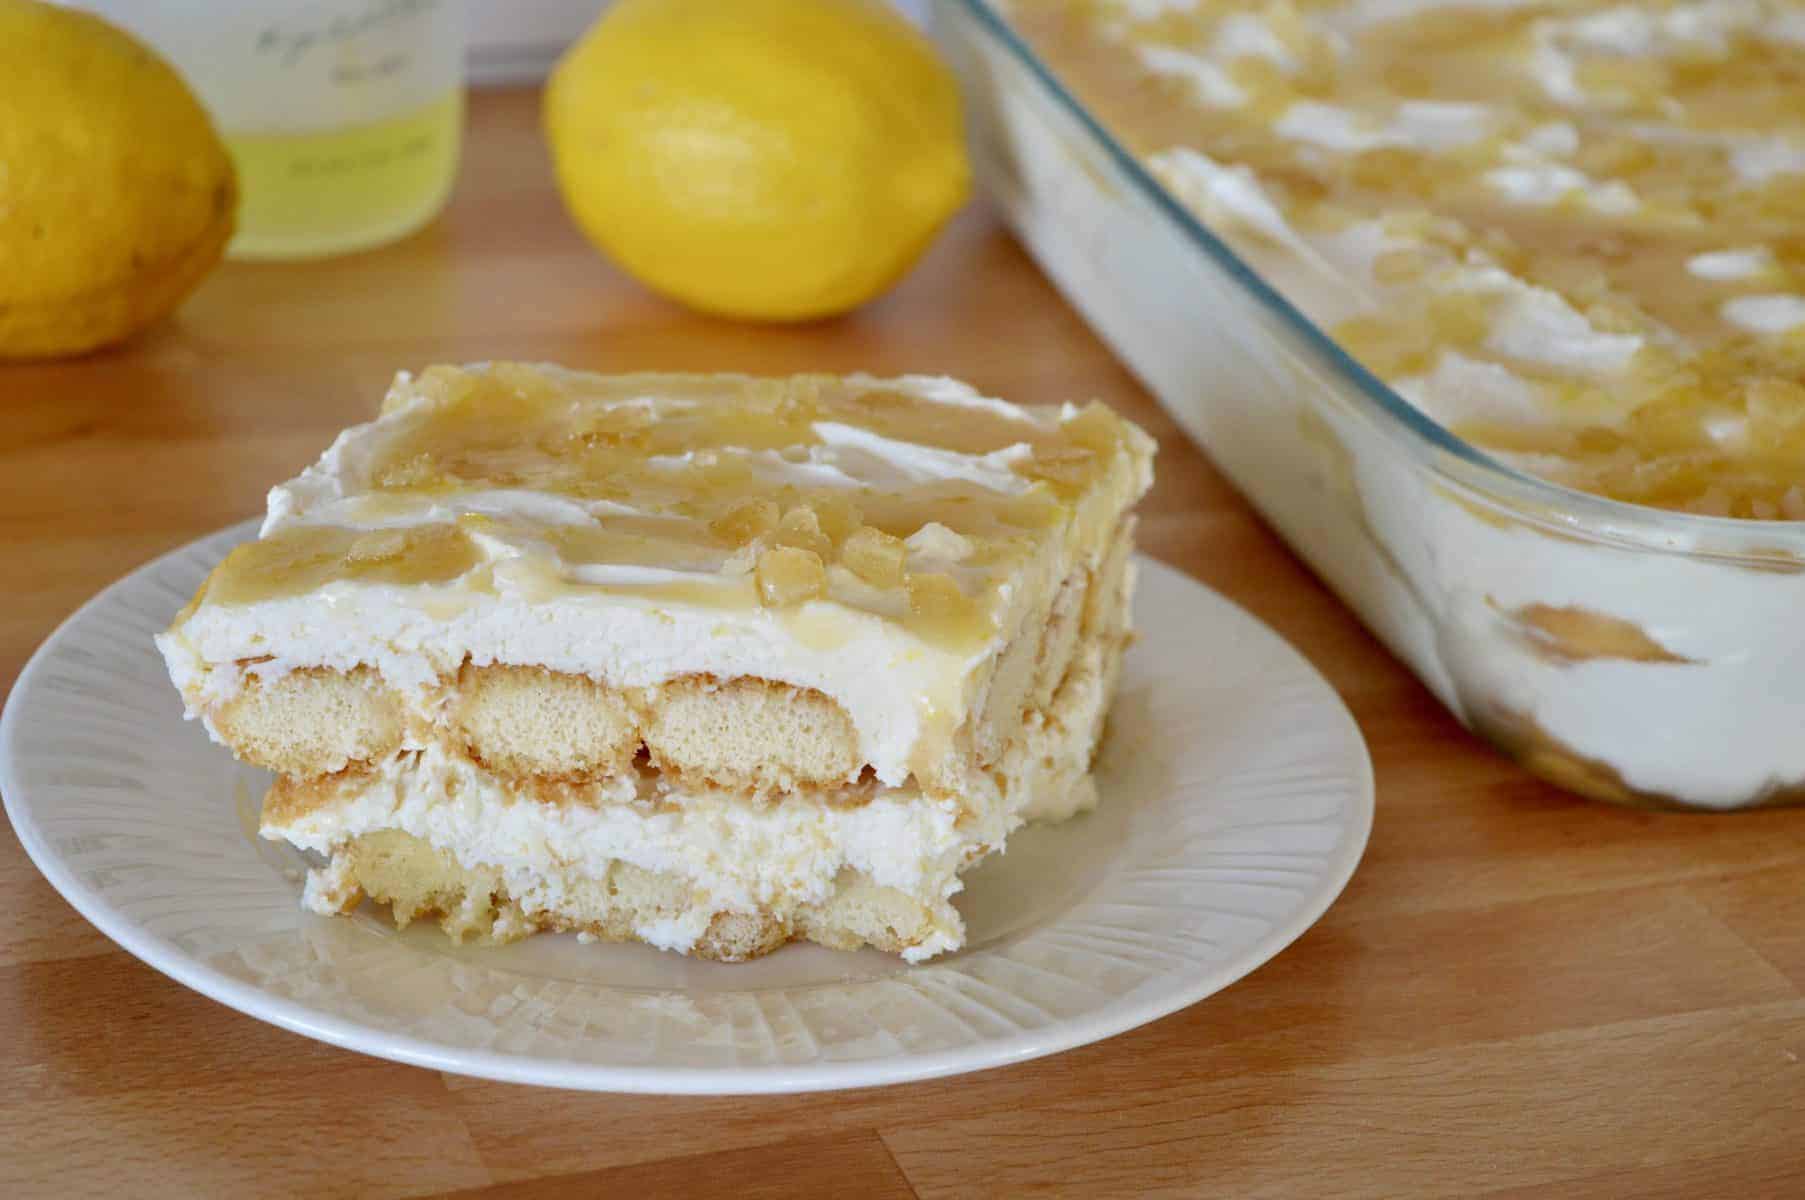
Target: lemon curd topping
{"points": [[1574, 233], [301, 559], [895, 499]]}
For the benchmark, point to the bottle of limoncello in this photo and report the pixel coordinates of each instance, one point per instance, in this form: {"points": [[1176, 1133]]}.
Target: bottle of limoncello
{"points": [[343, 117]]}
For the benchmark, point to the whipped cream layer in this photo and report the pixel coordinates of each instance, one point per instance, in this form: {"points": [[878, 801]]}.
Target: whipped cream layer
{"points": [[737, 857], [1573, 234], [878, 541]]}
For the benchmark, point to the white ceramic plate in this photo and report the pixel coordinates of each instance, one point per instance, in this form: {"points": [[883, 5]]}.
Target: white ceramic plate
{"points": [[1237, 798]]}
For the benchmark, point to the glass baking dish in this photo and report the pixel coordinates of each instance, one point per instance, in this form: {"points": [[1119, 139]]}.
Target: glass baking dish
{"points": [[1626, 653]]}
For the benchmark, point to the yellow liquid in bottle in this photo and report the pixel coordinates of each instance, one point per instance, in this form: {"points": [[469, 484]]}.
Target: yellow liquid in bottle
{"points": [[339, 190]]}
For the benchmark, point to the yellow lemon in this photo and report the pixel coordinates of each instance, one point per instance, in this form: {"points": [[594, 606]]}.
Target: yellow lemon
{"points": [[765, 159], [116, 196]]}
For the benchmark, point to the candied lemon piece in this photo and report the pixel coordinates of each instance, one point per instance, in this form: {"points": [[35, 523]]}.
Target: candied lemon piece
{"points": [[838, 516], [1065, 467], [941, 611], [801, 528], [379, 545], [417, 472], [874, 556], [746, 522], [787, 576]]}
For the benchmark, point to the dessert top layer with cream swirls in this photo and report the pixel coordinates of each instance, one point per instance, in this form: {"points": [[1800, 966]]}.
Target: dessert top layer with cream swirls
{"points": [[877, 540], [1573, 232]]}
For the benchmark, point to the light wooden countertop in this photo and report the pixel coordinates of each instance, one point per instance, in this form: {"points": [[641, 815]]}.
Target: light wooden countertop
{"points": [[1519, 993]]}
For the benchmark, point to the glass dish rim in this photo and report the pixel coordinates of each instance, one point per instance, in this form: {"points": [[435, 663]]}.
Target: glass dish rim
{"points": [[1430, 442]]}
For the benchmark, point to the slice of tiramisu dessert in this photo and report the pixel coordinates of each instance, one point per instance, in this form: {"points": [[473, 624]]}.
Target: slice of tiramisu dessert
{"points": [[707, 662]]}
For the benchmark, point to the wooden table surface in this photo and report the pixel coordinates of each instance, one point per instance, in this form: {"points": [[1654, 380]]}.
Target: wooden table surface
{"points": [[1519, 993]]}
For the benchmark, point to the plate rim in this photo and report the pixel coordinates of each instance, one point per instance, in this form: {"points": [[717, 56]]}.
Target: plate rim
{"points": [[1117, 1017]]}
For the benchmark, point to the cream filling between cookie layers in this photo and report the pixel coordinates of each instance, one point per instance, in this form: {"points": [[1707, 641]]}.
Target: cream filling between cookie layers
{"points": [[771, 860]]}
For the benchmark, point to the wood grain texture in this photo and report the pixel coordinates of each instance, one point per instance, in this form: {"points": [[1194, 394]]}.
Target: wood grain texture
{"points": [[855, 1163], [1521, 994]]}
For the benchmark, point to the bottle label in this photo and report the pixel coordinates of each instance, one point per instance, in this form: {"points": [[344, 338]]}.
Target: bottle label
{"points": [[270, 66]]}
